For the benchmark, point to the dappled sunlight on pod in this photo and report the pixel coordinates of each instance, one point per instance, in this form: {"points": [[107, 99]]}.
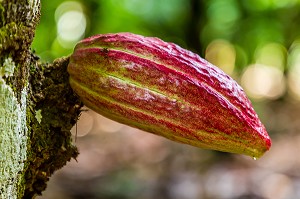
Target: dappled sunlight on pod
{"points": [[263, 82]]}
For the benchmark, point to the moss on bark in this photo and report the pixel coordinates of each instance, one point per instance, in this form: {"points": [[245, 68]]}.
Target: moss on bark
{"points": [[53, 112], [39, 105]]}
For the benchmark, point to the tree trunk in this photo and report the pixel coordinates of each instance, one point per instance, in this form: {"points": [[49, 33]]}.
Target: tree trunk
{"points": [[37, 106]]}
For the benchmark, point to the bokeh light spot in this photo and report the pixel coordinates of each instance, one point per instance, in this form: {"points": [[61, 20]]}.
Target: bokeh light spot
{"points": [[271, 54], [216, 11], [84, 124], [222, 54], [107, 125], [260, 5], [71, 23], [263, 82], [294, 70]]}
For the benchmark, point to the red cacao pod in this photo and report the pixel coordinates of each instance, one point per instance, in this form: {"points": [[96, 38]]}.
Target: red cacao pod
{"points": [[161, 88]]}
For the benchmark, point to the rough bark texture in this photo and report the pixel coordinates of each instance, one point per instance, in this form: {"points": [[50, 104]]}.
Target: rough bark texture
{"points": [[37, 106]]}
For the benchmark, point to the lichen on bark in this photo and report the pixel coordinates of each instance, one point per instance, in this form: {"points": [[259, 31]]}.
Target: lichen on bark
{"points": [[13, 138], [32, 146]]}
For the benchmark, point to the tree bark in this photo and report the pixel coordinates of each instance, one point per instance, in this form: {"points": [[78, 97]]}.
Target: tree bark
{"points": [[37, 106]]}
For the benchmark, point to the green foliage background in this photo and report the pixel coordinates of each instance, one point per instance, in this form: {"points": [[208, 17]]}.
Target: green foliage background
{"points": [[193, 24], [247, 27]]}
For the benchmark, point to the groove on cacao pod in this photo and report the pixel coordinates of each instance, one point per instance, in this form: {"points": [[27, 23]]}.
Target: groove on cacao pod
{"points": [[164, 89]]}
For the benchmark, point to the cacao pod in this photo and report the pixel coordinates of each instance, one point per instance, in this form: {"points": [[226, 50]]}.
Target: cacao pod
{"points": [[164, 89]]}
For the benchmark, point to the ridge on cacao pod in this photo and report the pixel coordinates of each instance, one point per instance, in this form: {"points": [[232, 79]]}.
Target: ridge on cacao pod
{"points": [[164, 89]]}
